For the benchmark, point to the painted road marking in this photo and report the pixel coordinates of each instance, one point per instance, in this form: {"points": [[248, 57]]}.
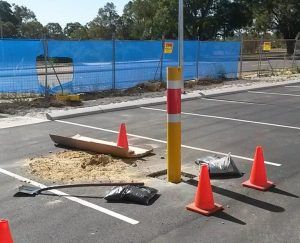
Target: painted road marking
{"points": [[256, 92], [71, 198], [8, 122], [233, 101], [227, 118], [292, 86], [162, 141]]}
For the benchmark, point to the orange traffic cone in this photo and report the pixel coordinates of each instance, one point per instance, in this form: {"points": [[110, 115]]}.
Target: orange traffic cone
{"points": [[258, 177], [122, 137], [204, 200], [5, 236]]}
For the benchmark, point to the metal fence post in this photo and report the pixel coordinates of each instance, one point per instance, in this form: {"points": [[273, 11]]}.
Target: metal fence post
{"points": [[241, 58], [114, 62], [162, 59], [45, 45], [260, 57], [294, 62], [197, 58]]}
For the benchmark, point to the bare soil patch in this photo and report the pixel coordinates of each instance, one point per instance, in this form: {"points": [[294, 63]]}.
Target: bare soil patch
{"points": [[23, 105], [16, 104], [79, 166]]}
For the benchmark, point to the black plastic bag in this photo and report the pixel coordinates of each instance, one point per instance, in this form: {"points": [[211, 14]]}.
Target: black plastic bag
{"points": [[137, 194]]}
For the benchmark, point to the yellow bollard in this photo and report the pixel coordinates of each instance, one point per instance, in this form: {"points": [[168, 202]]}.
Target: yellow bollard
{"points": [[174, 84]]}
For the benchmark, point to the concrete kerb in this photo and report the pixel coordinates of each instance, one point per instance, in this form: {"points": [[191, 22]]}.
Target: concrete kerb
{"points": [[2, 115], [242, 89], [60, 115]]}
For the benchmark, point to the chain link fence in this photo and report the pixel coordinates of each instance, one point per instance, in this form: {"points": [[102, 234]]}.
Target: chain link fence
{"points": [[269, 57], [54, 66]]}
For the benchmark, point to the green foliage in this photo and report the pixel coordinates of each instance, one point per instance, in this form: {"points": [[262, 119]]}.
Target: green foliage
{"points": [[154, 19], [23, 14], [54, 31], [75, 31], [138, 19], [232, 16], [6, 13], [9, 30], [32, 29], [105, 25], [278, 16]]}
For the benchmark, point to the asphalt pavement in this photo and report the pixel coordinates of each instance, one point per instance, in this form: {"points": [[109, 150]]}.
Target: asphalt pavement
{"points": [[234, 123]]}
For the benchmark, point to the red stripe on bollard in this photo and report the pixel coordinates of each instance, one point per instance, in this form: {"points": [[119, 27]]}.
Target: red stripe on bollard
{"points": [[174, 101]]}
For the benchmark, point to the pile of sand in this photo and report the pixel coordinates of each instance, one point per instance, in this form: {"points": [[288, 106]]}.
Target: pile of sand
{"points": [[79, 166]]}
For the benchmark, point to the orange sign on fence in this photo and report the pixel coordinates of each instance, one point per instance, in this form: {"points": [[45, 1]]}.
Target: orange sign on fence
{"points": [[168, 48]]}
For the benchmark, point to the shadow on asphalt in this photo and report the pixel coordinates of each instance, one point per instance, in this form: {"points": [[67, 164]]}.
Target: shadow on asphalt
{"points": [[242, 198], [285, 193], [226, 216]]}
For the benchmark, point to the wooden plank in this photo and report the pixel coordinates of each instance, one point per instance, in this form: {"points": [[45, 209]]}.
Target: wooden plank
{"points": [[99, 146]]}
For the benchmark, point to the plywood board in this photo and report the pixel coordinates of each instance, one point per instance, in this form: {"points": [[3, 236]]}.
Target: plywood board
{"points": [[99, 146]]}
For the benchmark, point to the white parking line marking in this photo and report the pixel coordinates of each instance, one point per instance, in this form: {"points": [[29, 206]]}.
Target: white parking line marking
{"points": [[228, 118], [292, 86], [232, 101], [71, 198], [282, 94], [162, 141]]}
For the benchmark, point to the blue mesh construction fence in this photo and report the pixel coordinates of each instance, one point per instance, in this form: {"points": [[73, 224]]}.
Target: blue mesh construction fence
{"points": [[90, 69], [18, 72], [29, 66]]}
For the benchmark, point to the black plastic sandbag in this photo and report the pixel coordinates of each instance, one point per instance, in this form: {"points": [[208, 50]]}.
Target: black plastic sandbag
{"points": [[137, 194], [220, 166]]}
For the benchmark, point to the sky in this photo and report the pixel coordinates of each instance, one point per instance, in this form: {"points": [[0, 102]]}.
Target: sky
{"points": [[65, 11]]}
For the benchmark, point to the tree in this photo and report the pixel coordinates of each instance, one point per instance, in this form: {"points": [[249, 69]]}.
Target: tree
{"points": [[280, 16], [165, 20], [23, 14], [137, 19], [206, 19], [9, 30], [6, 13], [75, 31], [54, 31], [232, 16], [32, 29], [14, 21], [105, 24], [200, 19], [126, 23]]}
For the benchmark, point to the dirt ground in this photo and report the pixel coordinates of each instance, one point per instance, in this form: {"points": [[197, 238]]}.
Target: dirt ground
{"points": [[22, 105], [38, 107], [79, 166]]}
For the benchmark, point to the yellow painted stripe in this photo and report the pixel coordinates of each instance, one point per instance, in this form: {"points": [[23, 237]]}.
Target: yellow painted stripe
{"points": [[174, 73], [174, 152]]}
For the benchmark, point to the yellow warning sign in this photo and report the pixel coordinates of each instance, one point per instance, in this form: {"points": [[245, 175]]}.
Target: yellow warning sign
{"points": [[168, 49], [267, 46]]}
